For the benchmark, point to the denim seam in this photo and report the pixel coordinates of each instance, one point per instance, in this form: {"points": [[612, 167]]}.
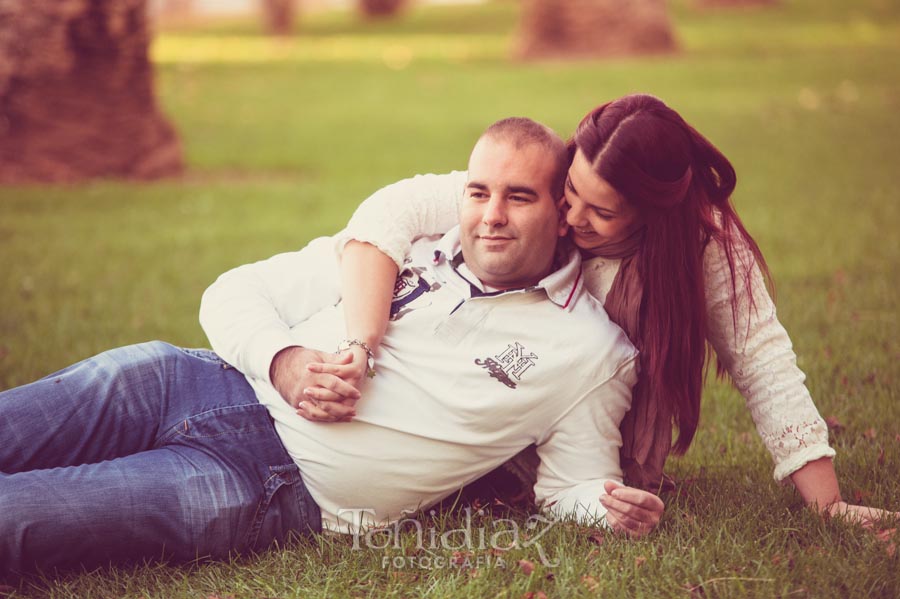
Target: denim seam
{"points": [[262, 508], [185, 434], [181, 429]]}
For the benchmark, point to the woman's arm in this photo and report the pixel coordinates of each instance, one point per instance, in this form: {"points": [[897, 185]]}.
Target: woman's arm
{"points": [[374, 247], [395, 216], [756, 351]]}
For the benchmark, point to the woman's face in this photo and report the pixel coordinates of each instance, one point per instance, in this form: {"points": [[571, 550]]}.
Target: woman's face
{"points": [[598, 214]]}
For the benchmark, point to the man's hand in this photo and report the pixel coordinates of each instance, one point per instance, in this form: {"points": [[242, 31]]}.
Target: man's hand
{"points": [[324, 404], [303, 387], [631, 511]]}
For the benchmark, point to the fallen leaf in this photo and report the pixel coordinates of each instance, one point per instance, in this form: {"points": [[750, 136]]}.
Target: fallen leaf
{"points": [[590, 582], [881, 456], [526, 566], [860, 496], [639, 561], [746, 438], [887, 537], [460, 557], [540, 595], [528, 595], [598, 538], [834, 424], [870, 433], [871, 378]]}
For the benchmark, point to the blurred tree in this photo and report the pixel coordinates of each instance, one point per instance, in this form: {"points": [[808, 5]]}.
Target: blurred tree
{"points": [[279, 16], [380, 8], [570, 28], [736, 3], [176, 9], [76, 93]]}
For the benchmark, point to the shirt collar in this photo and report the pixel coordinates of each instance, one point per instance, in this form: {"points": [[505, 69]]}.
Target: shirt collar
{"points": [[562, 285]]}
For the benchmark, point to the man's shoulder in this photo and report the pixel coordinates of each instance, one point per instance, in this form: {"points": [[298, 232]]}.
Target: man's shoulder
{"points": [[596, 332]]}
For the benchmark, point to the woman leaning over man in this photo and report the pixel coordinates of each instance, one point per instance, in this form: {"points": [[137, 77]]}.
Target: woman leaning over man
{"points": [[649, 207]]}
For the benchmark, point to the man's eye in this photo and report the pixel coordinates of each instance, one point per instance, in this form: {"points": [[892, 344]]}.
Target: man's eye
{"points": [[520, 199]]}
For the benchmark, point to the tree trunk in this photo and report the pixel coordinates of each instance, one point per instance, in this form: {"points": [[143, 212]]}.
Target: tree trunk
{"points": [[279, 16], [76, 93], [735, 3], [594, 28], [176, 9], [380, 8]]}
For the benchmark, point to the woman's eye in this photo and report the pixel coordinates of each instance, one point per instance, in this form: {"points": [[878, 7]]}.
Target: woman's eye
{"points": [[602, 215]]}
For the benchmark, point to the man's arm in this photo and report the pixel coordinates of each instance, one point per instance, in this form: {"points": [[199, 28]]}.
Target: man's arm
{"points": [[579, 474], [248, 313]]}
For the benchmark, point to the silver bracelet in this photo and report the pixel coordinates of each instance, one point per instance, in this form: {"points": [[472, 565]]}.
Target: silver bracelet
{"points": [[370, 356]]}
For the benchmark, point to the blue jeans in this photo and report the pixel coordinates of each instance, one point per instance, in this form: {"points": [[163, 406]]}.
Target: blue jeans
{"points": [[143, 452]]}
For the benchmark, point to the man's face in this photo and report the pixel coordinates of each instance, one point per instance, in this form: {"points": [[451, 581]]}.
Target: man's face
{"points": [[509, 220]]}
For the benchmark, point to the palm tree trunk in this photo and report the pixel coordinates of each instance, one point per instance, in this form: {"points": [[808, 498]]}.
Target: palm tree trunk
{"points": [[76, 93], [380, 8], [594, 28], [279, 16]]}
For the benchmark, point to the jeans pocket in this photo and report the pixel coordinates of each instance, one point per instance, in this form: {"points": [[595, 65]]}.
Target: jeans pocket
{"points": [[286, 508], [207, 355]]}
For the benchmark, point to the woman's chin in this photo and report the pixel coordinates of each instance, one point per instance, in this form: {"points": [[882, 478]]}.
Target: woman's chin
{"points": [[584, 243]]}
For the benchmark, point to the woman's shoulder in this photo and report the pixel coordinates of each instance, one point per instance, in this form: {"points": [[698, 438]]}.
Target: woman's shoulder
{"points": [[599, 274]]}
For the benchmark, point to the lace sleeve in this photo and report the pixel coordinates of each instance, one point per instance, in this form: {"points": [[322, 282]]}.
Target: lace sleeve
{"points": [[394, 216], [757, 352]]}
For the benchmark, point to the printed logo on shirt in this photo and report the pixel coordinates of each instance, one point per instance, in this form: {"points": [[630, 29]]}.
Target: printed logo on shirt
{"points": [[410, 292], [511, 362]]}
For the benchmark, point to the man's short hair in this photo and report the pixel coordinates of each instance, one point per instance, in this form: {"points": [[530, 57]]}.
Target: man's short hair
{"points": [[522, 131]]}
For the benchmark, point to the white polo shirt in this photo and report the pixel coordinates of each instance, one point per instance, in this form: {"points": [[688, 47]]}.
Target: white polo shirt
{"points": [[463, 382]]}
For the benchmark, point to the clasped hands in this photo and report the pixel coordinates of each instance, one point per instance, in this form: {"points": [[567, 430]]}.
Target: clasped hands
{"points": [[321, 386]]}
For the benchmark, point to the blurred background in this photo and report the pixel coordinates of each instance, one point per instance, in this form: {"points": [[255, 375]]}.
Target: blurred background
{"points": [[148, 146]]}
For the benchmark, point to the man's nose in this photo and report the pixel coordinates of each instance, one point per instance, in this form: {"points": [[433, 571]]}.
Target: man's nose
{"points": [[495, 212]]}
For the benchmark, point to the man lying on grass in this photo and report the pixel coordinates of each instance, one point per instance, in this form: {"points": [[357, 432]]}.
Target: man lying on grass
{"points": [[152, 450]]}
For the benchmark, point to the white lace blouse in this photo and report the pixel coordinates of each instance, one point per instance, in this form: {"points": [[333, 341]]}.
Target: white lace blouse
{"points": [[756, 350]]}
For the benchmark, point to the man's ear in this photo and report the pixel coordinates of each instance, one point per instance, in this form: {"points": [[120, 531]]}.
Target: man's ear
{"points": [[561, 210]]}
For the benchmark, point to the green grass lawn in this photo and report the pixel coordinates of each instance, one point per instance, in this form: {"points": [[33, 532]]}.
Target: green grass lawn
{"points": [[284, 137]]}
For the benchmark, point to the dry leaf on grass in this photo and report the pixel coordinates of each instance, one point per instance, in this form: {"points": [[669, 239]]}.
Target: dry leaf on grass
{"points": [[834, 424], [590, 582]]}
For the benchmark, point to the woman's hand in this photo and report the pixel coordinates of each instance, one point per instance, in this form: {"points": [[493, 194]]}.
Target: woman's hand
{"points": [[291, 376], [868, 517], [631, 511], [324, 405]]}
